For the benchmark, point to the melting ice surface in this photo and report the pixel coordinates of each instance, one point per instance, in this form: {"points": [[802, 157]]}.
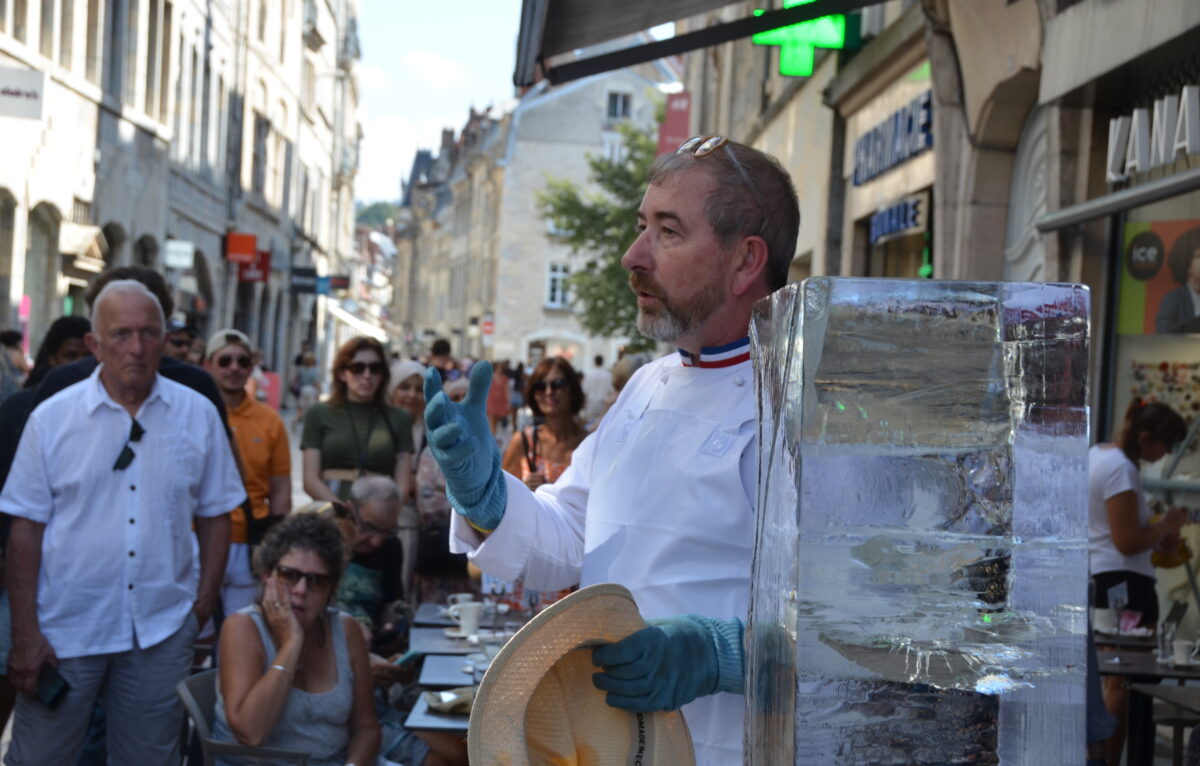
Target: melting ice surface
{"points": [[920, 571]]}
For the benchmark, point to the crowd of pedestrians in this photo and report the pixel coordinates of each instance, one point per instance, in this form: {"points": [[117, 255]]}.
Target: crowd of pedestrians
{"points": [[147, 511]]}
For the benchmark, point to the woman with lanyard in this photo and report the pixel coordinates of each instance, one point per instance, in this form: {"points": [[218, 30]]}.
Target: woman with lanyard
{"points": [[356, 433]]}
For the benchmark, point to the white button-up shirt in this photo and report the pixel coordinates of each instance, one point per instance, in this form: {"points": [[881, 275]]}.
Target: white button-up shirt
{"points": [[117, 551]]}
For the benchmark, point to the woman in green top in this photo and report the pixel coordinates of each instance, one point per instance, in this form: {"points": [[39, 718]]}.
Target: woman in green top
{"points": [[356, 433]]}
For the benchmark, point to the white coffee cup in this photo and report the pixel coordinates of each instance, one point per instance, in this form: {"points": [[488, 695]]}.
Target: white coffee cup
{"points": [[1182, 650], [460, 598], [466, 614]]}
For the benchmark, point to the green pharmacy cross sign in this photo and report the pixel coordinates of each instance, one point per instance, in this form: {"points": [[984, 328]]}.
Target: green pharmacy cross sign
{"points": [[798, 42]]}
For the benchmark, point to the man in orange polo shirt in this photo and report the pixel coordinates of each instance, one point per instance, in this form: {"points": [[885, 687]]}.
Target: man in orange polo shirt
{"points": [[262, 443]]}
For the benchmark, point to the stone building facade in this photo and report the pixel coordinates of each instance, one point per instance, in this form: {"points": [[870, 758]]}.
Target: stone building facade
{"points": [[477, 263], [165, 126]]}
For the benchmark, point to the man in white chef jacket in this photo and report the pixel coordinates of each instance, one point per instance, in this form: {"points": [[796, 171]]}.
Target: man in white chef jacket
{"points": [[660, 498]]}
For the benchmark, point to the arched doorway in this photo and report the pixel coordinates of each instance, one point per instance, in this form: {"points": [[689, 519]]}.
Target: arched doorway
{"points": [[8, 225], [1024, 250], [39, 303]]}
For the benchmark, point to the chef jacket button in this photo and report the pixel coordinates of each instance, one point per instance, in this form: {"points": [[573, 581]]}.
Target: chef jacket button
{"points": [[739, 381]]}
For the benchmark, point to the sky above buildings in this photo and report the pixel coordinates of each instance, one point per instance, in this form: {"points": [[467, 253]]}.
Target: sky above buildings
{"points": [[423, 65]]}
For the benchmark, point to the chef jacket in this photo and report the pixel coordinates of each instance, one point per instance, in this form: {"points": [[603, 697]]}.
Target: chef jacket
{"points": [[660, 499]]}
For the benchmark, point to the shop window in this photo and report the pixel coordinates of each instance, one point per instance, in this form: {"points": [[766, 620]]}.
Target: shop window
{"points": [[1157, 311], [8, 216], [557, 294], [20, 19], [129, 71]]}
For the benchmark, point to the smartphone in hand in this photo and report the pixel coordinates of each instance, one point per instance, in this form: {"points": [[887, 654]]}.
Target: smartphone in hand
{"points": [[52, 688]]}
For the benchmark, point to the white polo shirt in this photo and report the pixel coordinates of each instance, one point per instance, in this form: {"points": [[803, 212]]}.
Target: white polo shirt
{"points": [[117, 552]]}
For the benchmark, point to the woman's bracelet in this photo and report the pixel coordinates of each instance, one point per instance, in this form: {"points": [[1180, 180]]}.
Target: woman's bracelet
{"points": [[280, 667]]}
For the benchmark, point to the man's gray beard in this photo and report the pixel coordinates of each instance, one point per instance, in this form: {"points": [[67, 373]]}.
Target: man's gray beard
{"points": [[673, 322], [665, 327]]}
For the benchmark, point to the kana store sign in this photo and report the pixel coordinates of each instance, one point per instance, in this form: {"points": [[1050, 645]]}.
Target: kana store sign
{"points": [[1149, 139]]}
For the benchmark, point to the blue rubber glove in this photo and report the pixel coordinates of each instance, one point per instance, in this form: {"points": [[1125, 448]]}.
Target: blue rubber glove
{"points": [[670, 663], [465, 449]]}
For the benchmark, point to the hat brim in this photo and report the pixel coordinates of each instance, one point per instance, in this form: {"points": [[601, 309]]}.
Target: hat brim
{"points": [[537, 704]]}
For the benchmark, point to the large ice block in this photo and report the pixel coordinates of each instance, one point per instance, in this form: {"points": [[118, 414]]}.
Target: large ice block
{"points": [[920, 571]]}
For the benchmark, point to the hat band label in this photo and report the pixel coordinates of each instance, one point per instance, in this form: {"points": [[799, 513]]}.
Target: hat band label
{"points": [[641, 741]]}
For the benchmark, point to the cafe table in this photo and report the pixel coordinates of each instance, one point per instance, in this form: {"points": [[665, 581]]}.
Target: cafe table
{"points": [[435, 641], [421, 718], [431, 615], [1142, 667], [445, 671]]}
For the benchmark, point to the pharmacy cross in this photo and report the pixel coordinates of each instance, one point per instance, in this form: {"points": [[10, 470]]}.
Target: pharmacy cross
{"points": [[798, 42]]}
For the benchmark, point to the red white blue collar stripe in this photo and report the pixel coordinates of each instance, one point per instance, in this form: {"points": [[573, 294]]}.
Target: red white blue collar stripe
{"points": [[718, 356]]}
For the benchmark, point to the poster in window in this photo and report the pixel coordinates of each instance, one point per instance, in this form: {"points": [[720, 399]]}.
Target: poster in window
{"points": [[1160, 278]]}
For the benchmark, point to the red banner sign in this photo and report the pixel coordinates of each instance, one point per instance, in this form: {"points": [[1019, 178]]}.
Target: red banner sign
{"points": [[674, 129], [257, 269], [240, 248]]}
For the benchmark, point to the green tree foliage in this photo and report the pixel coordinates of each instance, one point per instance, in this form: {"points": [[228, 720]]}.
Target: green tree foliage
{"points": [[377, 213], [601, 225]]}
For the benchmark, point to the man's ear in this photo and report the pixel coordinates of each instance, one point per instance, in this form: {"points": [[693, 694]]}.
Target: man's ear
{"points": [[750, 264], [89, 340]]}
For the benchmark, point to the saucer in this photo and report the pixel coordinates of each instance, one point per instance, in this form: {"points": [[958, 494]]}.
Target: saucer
{"points": [[455, 633], [1189, 664]]}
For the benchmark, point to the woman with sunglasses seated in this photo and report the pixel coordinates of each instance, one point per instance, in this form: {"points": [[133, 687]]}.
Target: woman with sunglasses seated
{"points": [[541, 452], [294, 673], [356, 433]]}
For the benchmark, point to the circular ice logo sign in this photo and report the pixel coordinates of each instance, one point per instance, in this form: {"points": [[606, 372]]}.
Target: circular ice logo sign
{"points": [[1144, 256]]}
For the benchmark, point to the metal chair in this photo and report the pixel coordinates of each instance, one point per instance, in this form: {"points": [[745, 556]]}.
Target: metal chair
{"points": [[199, 696]]}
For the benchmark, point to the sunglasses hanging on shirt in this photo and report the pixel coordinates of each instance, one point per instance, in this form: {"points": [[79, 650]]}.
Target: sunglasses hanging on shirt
{"points": [[127, 454]]}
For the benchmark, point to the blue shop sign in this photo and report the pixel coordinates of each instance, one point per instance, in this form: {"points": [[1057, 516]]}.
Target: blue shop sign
{"points": [[902, 136], [905, 217]]}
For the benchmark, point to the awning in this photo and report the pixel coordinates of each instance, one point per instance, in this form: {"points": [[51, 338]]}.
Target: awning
{"points": [[366, 328], [553, 27], [84, 244]]}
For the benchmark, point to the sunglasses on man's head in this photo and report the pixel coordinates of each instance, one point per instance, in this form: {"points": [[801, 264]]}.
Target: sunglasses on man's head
{"points": [[702, 146], [315, 581], [127, 454], [558, 384], [358, 368], [240, 360]]}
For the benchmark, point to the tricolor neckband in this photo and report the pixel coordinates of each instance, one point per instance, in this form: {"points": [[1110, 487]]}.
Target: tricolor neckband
{"points": [[718, 356]]}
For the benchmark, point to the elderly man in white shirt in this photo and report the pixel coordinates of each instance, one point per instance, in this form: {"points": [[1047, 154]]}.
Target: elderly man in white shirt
{"points": [[107, 481]]}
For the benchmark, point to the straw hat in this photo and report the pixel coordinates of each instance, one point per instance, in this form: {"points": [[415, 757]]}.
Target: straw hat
{"points": [[537, 706]]}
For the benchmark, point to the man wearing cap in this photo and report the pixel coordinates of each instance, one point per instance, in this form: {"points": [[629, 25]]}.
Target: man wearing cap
{"points": [[262, 444], [660, 498], [108, 478], [178, 339]]}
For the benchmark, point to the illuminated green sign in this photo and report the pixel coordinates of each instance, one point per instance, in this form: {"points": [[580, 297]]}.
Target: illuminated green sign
{"points": [[798, 42]]}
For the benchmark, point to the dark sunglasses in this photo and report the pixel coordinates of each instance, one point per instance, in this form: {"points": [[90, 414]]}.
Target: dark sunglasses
{"points": [[179, 342], [242, 361], [127, 454], [315, 581], [358, 368], [558, 384]]}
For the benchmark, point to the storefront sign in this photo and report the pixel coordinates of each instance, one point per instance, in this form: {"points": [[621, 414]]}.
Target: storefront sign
{"points": [[256, 271], [905, 217], [179, 254], [339, 282], [240, 248], [1146, 140], [674, 128], [22, 93], [304, 280], [902, 136]]}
